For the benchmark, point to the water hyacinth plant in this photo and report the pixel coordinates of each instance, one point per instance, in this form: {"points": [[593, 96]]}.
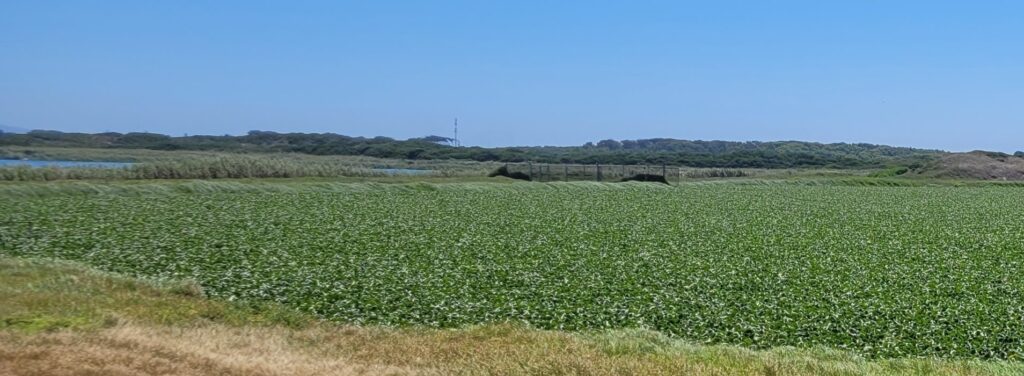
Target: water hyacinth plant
{"points": [[882, 271]]}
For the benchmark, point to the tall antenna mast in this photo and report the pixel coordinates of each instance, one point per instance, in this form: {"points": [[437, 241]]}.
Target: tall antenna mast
{"points": [[456, 132]]}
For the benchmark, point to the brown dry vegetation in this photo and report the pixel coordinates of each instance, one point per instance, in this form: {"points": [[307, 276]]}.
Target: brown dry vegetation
{"points": [[63, 319], [976, 165]]}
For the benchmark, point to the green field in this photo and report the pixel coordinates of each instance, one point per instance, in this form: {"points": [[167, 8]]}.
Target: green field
{"points": [[882, 271]]}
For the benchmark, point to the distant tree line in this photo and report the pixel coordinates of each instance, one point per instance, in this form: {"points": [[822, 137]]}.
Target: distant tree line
{"points": [[725, 154]]}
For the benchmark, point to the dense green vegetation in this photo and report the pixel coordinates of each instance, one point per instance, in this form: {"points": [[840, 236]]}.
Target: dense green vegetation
{"points": [[60, 315], [783, 154], [162, 164], [883, 271]]}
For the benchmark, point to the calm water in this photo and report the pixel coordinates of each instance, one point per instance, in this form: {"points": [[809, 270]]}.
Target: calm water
{"points": [[61, 164], [403, 171], [81, 164]]}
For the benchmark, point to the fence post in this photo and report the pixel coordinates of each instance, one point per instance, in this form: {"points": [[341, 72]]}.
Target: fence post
{"points": [[531, 168], [663, 173], [565, 174], [598, 173]]}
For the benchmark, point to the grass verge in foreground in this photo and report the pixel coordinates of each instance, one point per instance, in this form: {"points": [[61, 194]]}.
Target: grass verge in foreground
{"points": [[59, 318]]}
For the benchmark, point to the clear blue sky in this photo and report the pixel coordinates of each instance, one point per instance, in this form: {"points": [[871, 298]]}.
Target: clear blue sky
{"points": [[938, 74]]}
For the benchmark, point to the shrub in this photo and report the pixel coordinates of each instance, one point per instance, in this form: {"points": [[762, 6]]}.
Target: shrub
{"points": [[646, 178], [503, 171]]}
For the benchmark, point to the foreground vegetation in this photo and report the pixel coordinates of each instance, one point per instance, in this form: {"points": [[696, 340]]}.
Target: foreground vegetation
{"points": [[58, 318], [880, 271]]}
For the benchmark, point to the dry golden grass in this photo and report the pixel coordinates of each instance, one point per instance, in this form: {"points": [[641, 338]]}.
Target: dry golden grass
{"points": [[138, 350], [61, 319]]}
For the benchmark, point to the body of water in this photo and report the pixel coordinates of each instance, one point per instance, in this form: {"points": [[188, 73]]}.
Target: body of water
{"points": [[61, 164], [403, 171]]}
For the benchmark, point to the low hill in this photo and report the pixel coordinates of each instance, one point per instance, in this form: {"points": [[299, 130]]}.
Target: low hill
{"points": [[717, 154], [975, 165]]}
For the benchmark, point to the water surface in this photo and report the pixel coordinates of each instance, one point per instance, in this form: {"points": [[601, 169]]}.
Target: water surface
{"points": [[403, 171], [61, 164]]}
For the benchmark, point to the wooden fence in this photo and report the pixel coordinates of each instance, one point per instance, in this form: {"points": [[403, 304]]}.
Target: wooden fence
{"points": [[545, 172]]}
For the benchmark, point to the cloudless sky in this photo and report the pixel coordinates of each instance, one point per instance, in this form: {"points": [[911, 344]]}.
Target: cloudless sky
{"points": [[934, 74]]}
